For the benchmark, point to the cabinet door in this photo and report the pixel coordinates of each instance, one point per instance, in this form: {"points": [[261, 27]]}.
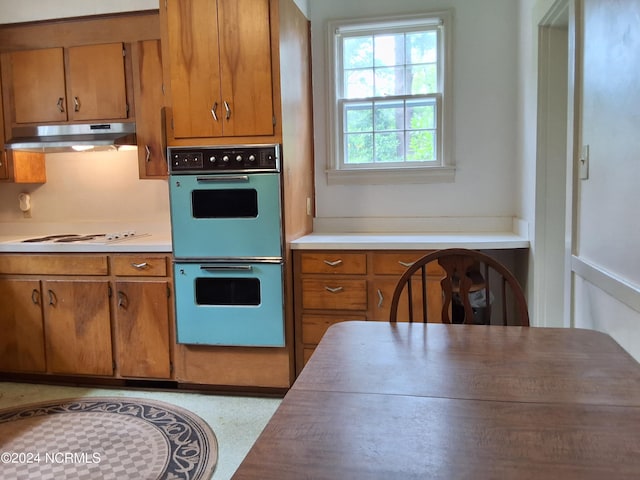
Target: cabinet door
{"points": [[149, 100], [77, 326], [245, 67], [96, 82], [37, 80], [142, 329], [192, 31], [22, 338]]}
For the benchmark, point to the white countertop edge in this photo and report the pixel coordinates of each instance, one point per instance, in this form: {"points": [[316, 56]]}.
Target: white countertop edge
{"points": [[399, 241]]}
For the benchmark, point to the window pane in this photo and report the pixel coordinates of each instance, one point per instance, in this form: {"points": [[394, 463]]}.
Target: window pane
{"points": [[421, 146], [389, 50], [389, 81], [389, 116], [358, 83], [359, 148], [389, 147], [422, 79], [422, 47], [421, 115], [358, 52], [359, 118]]}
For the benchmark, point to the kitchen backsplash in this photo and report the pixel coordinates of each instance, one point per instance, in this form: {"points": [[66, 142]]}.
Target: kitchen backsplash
{"points": [[89, 187]]}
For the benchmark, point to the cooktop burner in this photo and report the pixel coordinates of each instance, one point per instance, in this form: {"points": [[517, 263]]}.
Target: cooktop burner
{"points": [[95, 237]]}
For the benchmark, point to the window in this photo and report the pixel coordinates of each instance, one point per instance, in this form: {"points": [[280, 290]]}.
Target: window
{"points": [[390, 106]]}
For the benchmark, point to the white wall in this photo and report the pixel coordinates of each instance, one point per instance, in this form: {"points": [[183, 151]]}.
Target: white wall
{"points": [[607, 257], [88, 187], [31, 10], [485, 116]]}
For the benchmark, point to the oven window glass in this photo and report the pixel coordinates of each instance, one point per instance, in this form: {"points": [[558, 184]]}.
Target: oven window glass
{"points": [[228, 291], [225, 203]]}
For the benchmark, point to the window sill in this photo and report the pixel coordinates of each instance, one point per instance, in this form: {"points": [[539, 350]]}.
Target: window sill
{"points": [[385, 176]]}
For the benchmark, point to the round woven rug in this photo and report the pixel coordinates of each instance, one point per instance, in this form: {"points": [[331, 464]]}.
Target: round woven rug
{"points": [[105, 438]]}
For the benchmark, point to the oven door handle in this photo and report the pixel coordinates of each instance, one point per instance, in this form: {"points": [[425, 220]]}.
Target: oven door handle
{"points": [[226, 268], [225, 178]]}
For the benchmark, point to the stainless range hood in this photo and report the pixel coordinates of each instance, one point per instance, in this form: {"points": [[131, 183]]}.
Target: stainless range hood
{"points": [[75, 137]]}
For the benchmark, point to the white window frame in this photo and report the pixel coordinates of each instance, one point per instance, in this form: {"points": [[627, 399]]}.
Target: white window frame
{"points": [[441, 171]]}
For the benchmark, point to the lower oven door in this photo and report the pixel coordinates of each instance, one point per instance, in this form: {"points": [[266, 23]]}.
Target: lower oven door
{"points": [[239, 304]]}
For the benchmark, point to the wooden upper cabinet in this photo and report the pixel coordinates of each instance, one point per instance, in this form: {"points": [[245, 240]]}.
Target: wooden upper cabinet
{"points": [[220, 68], [149, 102], [37, 79], [96, 83], [91, 87]]}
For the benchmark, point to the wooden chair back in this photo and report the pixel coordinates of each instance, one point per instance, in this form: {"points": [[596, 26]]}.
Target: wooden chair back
{"points": [[469, 278]]}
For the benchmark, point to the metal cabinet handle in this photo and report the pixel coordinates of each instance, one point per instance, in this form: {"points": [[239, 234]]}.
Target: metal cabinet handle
{"points": [[333, 290], [380, 298], [35, 297], [148, 150], [226, 268], [334, 263], [60, 104], [53, 300], [140, 266], [223, 178], [227, 110], [214, 109], [123, 300], [406, 264], [76, 104]]}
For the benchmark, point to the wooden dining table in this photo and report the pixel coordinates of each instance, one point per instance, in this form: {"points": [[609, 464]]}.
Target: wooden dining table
{"points": [[380, 400]]}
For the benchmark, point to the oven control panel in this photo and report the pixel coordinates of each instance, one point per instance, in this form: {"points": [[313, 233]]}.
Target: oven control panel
{"points": [[241, 158]]}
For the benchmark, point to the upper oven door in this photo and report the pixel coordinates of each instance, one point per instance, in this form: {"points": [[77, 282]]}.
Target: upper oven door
{"points": [[226, 216]]}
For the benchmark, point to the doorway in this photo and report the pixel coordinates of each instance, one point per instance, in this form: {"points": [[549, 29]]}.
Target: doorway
{"points": [[553, 167]]}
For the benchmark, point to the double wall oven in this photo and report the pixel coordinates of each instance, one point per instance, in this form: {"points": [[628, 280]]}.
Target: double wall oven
{"points": [[227, 244]]}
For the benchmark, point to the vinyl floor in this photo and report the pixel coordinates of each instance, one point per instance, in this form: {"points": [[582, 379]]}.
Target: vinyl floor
{"points": [[236, 420]]}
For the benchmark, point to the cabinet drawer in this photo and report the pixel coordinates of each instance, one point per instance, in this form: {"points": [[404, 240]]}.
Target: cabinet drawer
{"points": [[66, 264], [315, 326], [335, 294], [139, 265], [396, 263], [338, 263]]}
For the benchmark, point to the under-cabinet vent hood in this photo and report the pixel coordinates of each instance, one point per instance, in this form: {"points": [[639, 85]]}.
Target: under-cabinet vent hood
{"points": [[75, 137]]}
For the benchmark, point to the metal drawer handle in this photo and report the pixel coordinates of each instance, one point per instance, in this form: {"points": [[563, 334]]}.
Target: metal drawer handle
{"points": [[223, 178], [148, 150], [227, 110], [53, 300], [335, 263], [213, 111], [406, 264], [380, 298], [140, 266], [226, 268], [333, 290], [60, 104], [35, 297], [76, 104]]}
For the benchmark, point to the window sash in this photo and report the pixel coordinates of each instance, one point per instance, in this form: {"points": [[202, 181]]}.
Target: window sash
{"points": [[399, 107]]}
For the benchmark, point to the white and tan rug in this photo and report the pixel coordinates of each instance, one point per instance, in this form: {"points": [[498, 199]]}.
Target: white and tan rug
{"points": [[105, 438]]}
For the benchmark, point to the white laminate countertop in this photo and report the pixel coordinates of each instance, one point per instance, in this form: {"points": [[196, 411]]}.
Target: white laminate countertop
{"points": [[409, 241], [153, 238]]}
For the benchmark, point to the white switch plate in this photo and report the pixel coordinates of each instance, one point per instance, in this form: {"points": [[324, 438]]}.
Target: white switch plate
{"points": [[583, 163]]}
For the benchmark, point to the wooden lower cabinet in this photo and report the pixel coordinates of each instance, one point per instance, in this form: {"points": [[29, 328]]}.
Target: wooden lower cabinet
{"points": [[22, 339], [142, 329], [333, 286], [86, 314], [77, 327]]}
